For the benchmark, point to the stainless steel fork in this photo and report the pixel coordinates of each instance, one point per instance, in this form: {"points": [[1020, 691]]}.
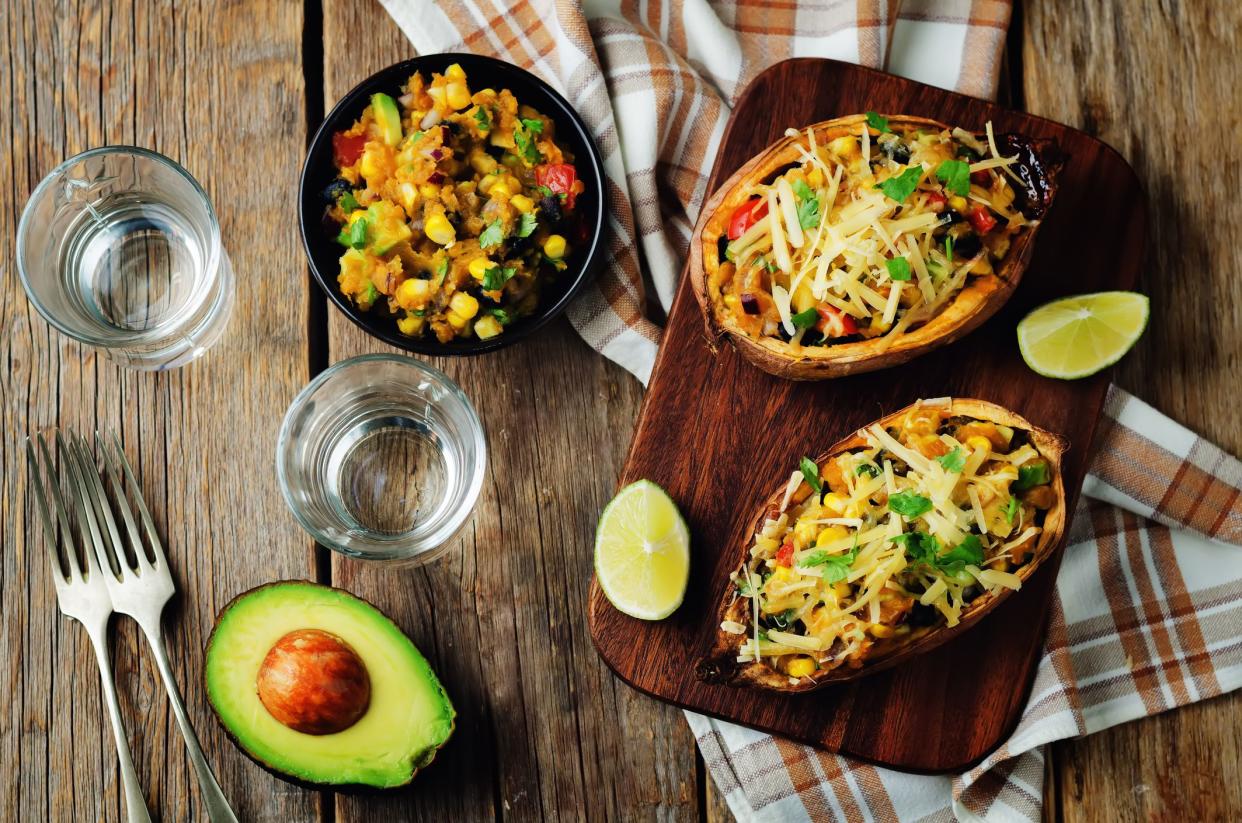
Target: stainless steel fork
{"points": [[140, 587], [81, 593]]}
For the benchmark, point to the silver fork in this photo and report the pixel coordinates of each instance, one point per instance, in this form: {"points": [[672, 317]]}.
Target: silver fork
{"points": [[83, 596], [140, 590]]}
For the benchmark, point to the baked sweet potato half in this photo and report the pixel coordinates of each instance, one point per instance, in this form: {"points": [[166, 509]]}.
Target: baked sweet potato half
{"points": [[861, 242], [890, 543]]}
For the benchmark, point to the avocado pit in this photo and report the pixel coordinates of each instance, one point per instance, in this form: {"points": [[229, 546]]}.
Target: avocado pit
{"points": [[313, 682]]}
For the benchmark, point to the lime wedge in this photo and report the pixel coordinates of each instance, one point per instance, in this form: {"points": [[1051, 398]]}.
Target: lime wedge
{"points": [[1078, 336], [642, 552]]}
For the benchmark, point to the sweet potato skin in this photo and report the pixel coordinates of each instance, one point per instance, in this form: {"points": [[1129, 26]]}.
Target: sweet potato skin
{"points": [[721, 666], [1040, 164]]}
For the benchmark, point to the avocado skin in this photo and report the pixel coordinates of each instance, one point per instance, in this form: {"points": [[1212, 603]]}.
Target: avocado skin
{"points": [[340, 788]]}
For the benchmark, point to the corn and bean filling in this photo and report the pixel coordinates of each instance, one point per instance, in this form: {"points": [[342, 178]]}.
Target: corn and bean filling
{"points": [[455, 207], [885, 542], [868, 235]]}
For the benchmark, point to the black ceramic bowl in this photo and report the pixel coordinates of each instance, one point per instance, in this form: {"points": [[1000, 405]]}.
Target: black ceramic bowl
{"points": [[482, 72]]}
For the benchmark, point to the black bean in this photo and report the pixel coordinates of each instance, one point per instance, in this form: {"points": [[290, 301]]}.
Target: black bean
{"points": [[335, 189], [967, 245], [550, 208]]}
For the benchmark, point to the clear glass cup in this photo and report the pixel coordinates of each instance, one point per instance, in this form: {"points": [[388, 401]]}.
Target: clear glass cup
{"points": [[382, 457], [119, 248]]}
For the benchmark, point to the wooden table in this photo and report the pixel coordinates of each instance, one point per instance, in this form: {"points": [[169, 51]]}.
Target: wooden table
{"points": [[545, 732]]}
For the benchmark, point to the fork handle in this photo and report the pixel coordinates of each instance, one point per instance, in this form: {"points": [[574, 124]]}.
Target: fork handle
{"points": [[135, 803], [218, 809]]}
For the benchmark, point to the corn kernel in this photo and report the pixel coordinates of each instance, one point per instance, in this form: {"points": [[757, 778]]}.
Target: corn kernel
{"points": [[732, 301], [854, 509], [440, 230], [978, 442], [482, 162], [844, 146], [455, 72], [499, 189], [413, 293], [554, 246], [439, 96], [957, 203], [464, 305], [842, 590], [458, 95], [830, 534], [487, 327], [879, 630], [522, 203], [783, 574], [479, 266], [804, 532], [835, 503], [429, 191], [456, 320], [815, 177], [410, 325], [801, 666]]}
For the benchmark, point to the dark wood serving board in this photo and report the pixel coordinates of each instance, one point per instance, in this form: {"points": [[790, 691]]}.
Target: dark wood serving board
{"points": [[706, 435]]}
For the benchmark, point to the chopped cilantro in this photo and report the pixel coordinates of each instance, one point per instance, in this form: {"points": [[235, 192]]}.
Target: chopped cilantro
{"points": [[867, 469], [526, 144], [500, 314], [955, 175], [368, 297], [784, 619], [533, 126], [970, 550], [526, 224], [348, 202], [743, 586], [802, 190], [805, 319], [496, 277], [903, 185], [811, 472], [808, 205], [1011, 509], [909, 504], [492, 235], [544, 190], [898, 268], [481, 117], [954, 461], [1031, 475], [877, 122], [836, 566], [919, 546]]}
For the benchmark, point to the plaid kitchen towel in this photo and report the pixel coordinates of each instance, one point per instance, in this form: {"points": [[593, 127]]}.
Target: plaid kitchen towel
{"points": [[1149, 597]]}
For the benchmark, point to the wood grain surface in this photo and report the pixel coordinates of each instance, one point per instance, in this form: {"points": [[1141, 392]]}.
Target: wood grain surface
{"points": [[550, 734]]}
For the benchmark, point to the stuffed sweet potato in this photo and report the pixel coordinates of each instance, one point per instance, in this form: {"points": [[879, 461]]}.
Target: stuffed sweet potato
{"points": [[858, 243], [890, 543]]}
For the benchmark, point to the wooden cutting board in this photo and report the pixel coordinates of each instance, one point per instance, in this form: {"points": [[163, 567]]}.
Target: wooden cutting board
{"points": [[708, 433]]}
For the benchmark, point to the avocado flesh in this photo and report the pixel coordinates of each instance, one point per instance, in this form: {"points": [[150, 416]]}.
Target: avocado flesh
{"points": [[409, 715], [387, 117]]}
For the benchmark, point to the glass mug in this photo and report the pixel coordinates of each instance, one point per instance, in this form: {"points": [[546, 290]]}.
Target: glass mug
{"points": [[119, 248]]}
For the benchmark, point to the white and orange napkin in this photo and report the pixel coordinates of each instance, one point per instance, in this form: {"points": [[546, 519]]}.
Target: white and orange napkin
{"points": [[1150, 591]]}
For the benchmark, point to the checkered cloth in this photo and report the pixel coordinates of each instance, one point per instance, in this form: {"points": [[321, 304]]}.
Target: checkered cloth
{"points": [[1149, 596]]}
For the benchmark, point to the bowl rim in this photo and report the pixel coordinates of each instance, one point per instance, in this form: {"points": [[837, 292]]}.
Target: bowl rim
{"points": [[590, 259]]}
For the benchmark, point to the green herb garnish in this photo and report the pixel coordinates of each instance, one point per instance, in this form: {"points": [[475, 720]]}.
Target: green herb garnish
{"points": [[544, 190], [501, 315], [811, 472], [526, 144], [836, 566], [492, 235], [970, 550], [954, 461], [920, 546], [442, 267], [903, 185], [955, 175], [878, 123], [1031, 475], [805, 319], [808, 205], [867, 469], [909, 504], [743, 586], [526, 224], [348, 202], [1011, 510], [481, 117], [496, 277], [898, 268], [532, 125]]}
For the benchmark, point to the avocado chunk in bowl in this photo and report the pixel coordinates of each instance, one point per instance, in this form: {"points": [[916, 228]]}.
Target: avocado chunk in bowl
{"points": [[320, 687]]}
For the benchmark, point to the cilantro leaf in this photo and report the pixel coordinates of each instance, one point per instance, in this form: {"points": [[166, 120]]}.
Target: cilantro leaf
{"points": [[810, 471], [955, 174], [481, 117], [903, 185], [348, 202], [526, 144], [743, 586], [805, 319], [369, 296], [1011, 509], [867, 469], [909, 504], [492, 235], [898, 268], [544, 190], [954, 461], [808, 213], [802, 190], [919, 546], [532, 125], [526, 224], [501, 315], [836, 566], [496, 277], [784, 619], [969, 551], [1031, 475], [878, 122]]}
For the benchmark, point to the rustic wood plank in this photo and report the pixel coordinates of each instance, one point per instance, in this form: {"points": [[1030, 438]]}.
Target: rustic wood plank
{"points": [[1157, 80], [195, 83], [545, 732]]}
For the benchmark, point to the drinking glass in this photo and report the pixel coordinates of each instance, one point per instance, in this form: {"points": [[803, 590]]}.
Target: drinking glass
{"points": [[119, 248], [382, 457]]}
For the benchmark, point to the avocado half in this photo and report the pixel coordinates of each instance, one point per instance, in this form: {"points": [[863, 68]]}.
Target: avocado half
{"points": [[408, 716]]}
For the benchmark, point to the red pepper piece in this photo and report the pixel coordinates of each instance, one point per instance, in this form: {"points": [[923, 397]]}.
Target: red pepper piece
{"points": [[784, 555], [981, 219], [747, 215], [348, 149], [834, 323], [937, 201], [559, 179]]}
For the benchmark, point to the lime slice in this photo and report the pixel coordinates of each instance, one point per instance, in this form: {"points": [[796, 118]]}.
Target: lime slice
{"points": [[1078, 336], [642, 552]]}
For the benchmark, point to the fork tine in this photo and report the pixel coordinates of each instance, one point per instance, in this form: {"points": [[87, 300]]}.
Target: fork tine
{"points": [[89, 472], [86, 514], [62, 508], [131, 528], [40, 492], [152, 537]]}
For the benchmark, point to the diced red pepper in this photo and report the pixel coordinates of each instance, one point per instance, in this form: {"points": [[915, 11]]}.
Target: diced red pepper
{"points": [[747, 215], [937, 201], [784, 555], [834, 323], [348, 149], [981, 219], [981, 178], [559, 179]]}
